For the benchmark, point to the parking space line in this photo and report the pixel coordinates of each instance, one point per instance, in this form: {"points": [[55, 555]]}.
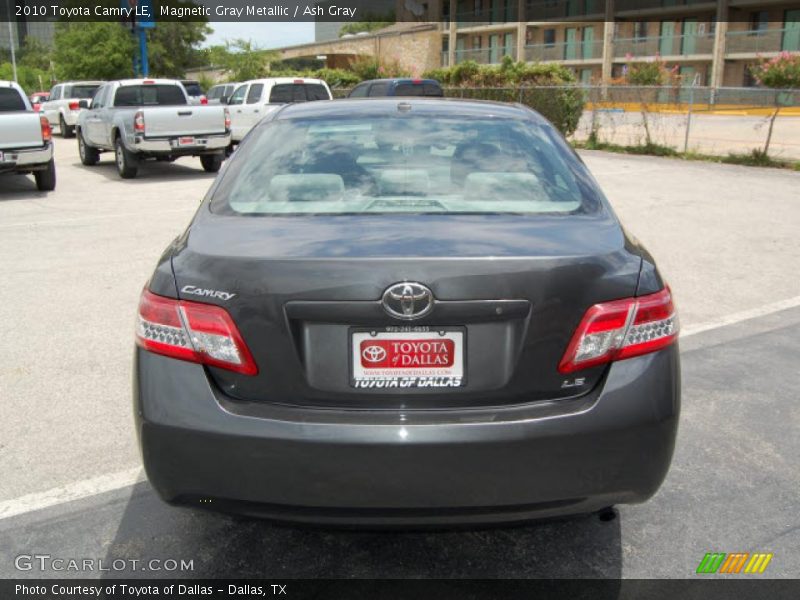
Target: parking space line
{"points": [[121, 479], [70, 492], [744, 315]]}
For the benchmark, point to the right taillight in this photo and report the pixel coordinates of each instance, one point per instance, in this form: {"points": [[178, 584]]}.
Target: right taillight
{"points": [[138, 122], [192, 331], [74, 105], [622, 329], [47, 133], [227, 119]]}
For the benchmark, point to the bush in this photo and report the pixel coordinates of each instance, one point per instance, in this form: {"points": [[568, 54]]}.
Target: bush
{"points": [[530, 84]]}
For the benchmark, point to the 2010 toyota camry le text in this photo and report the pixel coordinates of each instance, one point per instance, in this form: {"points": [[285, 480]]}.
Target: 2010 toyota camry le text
{"points": [[405, 313]]}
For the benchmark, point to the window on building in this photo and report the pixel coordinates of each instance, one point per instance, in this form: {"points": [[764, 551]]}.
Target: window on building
{"points": [[476, 42], [549, 37], [759, 22], [749, 80], [640, 30]]}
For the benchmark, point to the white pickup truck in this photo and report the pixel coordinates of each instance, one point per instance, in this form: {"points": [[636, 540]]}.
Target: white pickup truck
{"points": [[139, 119], [65, 102], [258, 97], [26, 144]]}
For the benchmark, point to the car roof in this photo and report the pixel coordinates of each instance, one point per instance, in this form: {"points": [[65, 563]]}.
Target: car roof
{"points": [[404, 80], [153, 80], [389, 106], [284, 80]]}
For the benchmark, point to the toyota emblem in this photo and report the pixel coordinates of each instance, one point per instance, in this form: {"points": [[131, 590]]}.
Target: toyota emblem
{"points": [[408, 300], [373, 354]]}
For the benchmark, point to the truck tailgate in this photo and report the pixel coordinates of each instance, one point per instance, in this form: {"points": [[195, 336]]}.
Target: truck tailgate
{"points": [[20, 130], [184, 120]]}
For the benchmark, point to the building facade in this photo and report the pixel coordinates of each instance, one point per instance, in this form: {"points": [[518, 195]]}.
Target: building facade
{"points": [[712, 42]]}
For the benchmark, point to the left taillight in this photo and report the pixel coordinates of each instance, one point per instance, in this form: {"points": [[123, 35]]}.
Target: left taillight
{"points": [[138, 122], [622, 329], [227, 119], [192, 331], [47, 133]]}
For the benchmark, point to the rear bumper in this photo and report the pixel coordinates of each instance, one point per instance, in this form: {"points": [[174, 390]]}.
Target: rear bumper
{"points": [[543, 459], [26, 159], [205, 144]]}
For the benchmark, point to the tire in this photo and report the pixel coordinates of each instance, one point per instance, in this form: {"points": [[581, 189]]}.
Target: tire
{"points": [[46, 179], [127, 162], [66, 131], [89, 154], [211, 162]]}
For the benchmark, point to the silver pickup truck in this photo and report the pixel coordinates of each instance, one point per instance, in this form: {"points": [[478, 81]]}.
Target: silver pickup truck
{"points": [[26, 144], [139, 119]]}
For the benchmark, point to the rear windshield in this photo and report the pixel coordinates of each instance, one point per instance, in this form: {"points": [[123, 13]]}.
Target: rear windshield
{"points": [[149, 95], [283, 93], [403, 164], [10, 100], [418, 89], [83, 92], [193, 89]]}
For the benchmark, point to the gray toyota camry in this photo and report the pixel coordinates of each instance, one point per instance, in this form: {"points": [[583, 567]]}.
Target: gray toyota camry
{"points": [[404, 313]]}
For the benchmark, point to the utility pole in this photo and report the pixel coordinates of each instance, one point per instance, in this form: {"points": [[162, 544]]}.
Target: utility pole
{"points": [[11, 40]]}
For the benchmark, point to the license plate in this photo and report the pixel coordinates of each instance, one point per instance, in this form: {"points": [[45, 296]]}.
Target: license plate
{"points": [[432, 358], [186, 141]]}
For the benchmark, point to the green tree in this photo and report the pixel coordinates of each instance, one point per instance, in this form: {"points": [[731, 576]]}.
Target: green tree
{"points": [[779, 72], [241, 59], [93, 51], [35, 54], [174, 46]]}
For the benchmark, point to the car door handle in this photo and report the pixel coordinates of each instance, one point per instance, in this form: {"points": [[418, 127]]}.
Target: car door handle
{"points": [[184, 113]]}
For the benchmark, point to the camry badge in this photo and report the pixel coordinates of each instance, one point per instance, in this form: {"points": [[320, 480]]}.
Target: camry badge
{"points": [[407, 300]]}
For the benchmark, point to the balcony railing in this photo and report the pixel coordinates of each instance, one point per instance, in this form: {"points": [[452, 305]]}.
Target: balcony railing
{"points": [[485, 56], [765, 40], [564, 51], [674, 45], [499, 15], [626, 5], [545, 10]]}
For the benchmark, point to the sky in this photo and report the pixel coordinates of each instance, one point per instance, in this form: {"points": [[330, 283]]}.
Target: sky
{"points": [[264, 35]]}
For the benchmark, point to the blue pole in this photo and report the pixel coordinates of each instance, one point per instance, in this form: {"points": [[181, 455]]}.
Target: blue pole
{"points": [[144, 63]]}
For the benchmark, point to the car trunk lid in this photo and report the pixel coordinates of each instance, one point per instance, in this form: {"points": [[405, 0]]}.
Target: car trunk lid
{"points": [[513, 287]]}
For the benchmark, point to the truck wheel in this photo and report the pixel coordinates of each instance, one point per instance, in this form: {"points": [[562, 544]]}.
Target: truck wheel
{"points": [[46, 179], [211, 162], [127, 162], [89, 154], [66, 131]]}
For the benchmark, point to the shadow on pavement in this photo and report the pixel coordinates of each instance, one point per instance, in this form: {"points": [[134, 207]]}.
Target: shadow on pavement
{"points": [[151, 170], [14, 186], [223, 546]]}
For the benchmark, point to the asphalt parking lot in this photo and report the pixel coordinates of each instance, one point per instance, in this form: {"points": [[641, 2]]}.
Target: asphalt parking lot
{"points": [[75, 261]]}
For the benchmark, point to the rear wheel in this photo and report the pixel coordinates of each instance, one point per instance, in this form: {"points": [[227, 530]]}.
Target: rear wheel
{"points": [[127, 162], [66, 130], [89, 154], [46, 178], [211, 162]]}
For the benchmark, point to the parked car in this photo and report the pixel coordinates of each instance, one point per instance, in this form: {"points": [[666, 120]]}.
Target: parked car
{"points": [[194, 91], [397, 87], [252, 100], [26, 144], [65, 103], [37, 98], [219, 94], [422, 312], [139, 119]]}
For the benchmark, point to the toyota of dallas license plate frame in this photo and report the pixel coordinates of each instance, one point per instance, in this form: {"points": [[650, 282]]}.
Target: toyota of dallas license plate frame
{"points": [[407, 357]]}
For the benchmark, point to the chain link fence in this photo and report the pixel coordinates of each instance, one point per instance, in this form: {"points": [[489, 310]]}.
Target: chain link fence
{"points": [[716, 121]]}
